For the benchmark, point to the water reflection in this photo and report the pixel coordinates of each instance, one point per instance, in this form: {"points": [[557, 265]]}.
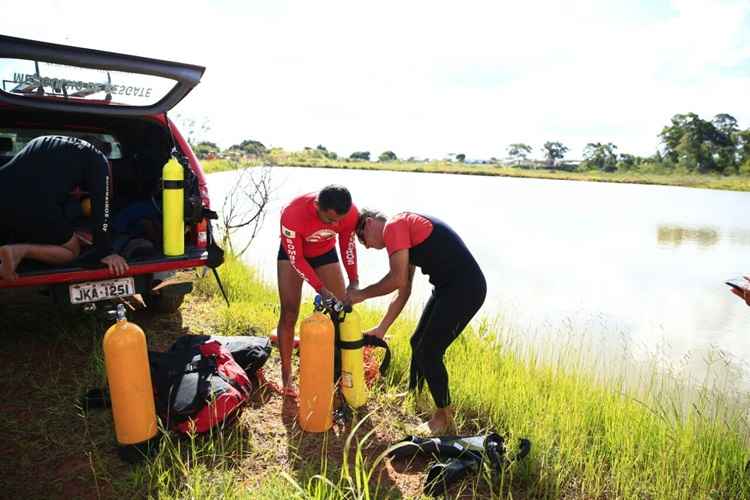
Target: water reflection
{"points": [[669, 235]]}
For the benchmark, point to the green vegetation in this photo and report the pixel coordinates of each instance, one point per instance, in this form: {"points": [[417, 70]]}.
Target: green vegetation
{"points": [[694, 153], [647, 174], [593, 437], [646, 436]]}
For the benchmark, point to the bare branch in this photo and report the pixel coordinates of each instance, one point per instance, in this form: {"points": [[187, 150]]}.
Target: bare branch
{"points": [[244, 207]]}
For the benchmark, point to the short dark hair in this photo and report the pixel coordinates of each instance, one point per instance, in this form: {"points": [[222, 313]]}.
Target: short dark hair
{"points": [[336, 198], [363, 215]]}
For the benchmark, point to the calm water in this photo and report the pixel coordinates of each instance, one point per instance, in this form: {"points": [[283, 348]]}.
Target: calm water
{"points": [[641, 265]]}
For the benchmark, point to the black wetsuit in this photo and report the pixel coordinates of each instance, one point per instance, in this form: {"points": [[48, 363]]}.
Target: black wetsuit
{"points": [[460, 290], [36, 184]]}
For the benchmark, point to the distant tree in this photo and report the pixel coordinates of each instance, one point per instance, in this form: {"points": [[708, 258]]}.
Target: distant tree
{"points": [[628, 162], [519, 151], [743, 145], [205, 150], [726, 142], [250, 147], [554, 151], [600, 156], [698, 145], [461, 157], [360, 155], [328, 154], [387, 156]]}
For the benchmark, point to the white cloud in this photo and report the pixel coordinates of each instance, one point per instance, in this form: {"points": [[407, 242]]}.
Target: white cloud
{"points": [[429, 78]]}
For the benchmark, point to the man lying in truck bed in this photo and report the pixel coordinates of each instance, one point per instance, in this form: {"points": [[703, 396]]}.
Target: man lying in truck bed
{"points": [[34, 187]]}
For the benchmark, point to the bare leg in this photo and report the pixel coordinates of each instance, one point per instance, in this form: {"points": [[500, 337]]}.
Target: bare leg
{"points": [[12, 255], [332, 278], [290, 295]]}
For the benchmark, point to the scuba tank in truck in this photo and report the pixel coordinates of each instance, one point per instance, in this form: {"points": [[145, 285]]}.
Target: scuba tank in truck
{"points": [[173, 209], [131, 392]]}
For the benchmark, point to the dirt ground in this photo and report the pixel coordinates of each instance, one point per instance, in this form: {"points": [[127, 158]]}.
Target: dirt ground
{"points": [[53, 449]]}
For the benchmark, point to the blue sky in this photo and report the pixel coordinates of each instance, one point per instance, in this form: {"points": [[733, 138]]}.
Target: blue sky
{"points": [[429, 78]]}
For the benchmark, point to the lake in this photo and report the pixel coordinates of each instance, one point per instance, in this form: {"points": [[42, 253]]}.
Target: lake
{"points": [[634, 266]]}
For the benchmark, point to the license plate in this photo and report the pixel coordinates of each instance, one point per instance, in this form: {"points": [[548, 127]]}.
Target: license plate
{"points": [[94, 291]]}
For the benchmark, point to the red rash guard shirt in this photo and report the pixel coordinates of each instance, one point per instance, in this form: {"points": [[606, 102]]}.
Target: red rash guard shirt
{"points": [[404, 231], [304, 235]]}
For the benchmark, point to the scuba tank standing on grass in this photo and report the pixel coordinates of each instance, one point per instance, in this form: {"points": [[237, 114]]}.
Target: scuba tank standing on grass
{"points": [[316, 387], [331, 352], [132, 394], [351, 342], [173, 199]]}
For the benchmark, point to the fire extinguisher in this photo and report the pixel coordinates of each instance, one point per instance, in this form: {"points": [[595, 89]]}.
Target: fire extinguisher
{"points": [[316, 387], [173, 209], [132, 395]]}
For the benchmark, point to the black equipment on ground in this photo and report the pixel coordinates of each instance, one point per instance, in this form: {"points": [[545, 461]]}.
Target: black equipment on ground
{"points": [[456, 457]]}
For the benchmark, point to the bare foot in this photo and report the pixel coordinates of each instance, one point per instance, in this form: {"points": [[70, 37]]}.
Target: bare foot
{"points": [[441, 424], [9, 262]]}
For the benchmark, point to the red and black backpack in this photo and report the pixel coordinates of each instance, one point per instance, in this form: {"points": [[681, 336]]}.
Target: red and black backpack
{"points": [[201, 381]]}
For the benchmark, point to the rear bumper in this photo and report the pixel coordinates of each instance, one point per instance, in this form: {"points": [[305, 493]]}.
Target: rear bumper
{"points": [[192, 259]]}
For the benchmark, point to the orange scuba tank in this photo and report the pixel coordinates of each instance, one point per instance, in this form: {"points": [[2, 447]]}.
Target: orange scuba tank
{"points": [[129, 379], [316, 387]]}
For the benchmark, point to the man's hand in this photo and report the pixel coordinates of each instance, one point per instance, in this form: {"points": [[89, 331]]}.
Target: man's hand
{"points": [[354, 297], [116, 264], [290, 391], [354, 285], [743, 293], [378, 332]]}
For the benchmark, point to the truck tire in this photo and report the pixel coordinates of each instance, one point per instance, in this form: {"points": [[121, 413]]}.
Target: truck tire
{"points": [[162, 303]]}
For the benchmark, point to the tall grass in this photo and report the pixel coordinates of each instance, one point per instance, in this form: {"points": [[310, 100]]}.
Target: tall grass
{"points": [[593, 436]]}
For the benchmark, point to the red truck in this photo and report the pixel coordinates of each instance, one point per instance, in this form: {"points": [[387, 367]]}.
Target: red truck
{"points": [[120, 102]]}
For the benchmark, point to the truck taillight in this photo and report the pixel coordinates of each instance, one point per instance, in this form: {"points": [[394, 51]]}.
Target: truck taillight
{"points": [[201, 236]]}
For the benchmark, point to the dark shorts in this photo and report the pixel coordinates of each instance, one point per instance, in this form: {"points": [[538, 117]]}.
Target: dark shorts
{"points": [[330, 257], [42, 223]]}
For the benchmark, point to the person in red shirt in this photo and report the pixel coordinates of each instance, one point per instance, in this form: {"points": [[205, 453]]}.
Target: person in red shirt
{"points": [[415, 240], [309, 225]]}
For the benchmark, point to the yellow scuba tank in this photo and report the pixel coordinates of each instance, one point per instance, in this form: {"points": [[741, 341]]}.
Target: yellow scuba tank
{"points": [[352, 359], [173, 209], [316, 388], [129, 378]]}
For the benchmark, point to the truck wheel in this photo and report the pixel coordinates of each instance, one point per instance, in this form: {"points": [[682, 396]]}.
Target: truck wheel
{"points": [[163, 303]]}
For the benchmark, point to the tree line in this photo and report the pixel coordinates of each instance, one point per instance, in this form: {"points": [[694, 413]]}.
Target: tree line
{"points": [[688, 144]]}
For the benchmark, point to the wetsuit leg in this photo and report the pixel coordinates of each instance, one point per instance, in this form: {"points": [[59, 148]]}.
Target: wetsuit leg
{"points": [[449, 311], [416, 377]]}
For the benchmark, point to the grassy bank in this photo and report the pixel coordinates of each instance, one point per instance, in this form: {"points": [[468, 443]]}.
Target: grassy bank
{"points": [[730, 182], [592, 438]]}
